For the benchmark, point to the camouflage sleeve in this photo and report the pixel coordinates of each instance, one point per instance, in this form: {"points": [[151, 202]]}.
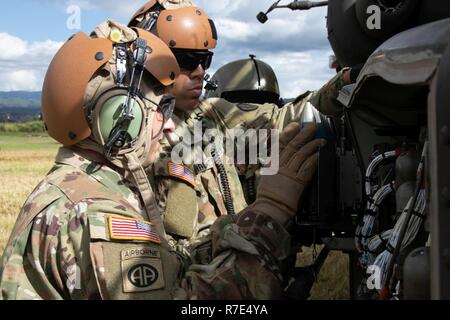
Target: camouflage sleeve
{"points": [[248, 251], [57, 255], [291, 112], [264, 116], [49, 259], [325, 99]]}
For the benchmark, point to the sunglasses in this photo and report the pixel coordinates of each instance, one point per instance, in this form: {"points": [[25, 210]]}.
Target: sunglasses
{"points": [[165, 107], [190, 60]]}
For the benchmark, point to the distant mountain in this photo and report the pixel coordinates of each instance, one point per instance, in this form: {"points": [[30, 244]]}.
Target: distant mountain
{"points": [[20, 105], [20, 99]]}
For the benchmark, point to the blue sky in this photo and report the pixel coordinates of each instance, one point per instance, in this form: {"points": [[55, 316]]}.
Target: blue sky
{"points": [[294, 43], [39, 20], [32, 20]]}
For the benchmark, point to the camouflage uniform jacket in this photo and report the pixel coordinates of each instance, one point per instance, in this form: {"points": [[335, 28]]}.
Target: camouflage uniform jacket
{"points": [[176, 192], [192, 201], [82, 234]]}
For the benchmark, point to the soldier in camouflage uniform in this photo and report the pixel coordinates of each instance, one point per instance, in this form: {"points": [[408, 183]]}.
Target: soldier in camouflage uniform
{"points": [[215, 184], [91, 229]]}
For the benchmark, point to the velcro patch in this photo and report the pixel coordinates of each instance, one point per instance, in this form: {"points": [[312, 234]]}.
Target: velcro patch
{"points": [[124, 228], [141, 270], [181, 172], [247, 106]]}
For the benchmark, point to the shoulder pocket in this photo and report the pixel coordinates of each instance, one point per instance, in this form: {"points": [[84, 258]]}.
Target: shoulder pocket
{"points": [[128, 270]]}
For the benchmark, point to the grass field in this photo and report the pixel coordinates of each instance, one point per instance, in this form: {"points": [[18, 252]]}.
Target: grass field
{"points": [[332, 282], [24, 161]]}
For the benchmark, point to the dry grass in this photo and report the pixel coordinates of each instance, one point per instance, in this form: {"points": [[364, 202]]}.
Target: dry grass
{"points": [[332, 281], [24, 161]]}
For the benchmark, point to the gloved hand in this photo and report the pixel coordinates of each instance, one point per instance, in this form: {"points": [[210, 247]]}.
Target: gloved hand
{"points": [[278, 195]]}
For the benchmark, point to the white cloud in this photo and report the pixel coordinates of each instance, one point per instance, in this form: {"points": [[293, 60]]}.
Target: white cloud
{"points": [[235, 30], [293, 43], [300, 71], [223, 8], [23, 64], [45, 48], [11, 47], [120, 8], [26, 80], [236, 21]]}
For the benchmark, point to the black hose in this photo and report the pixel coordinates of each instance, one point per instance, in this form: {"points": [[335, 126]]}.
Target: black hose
{"points": [[226, 192], [251, 189]]}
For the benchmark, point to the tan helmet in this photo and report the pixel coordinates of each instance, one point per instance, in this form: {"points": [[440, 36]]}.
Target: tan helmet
{"points": [[151, 5], [246, 80], [187, 27], [139, 15], [71, 74]]}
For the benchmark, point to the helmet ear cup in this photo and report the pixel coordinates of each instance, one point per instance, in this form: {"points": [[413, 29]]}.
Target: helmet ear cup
{"points": [[112, 110], [109, 110]]}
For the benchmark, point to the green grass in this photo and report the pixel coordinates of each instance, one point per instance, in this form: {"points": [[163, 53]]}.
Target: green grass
{"points": [[25, 136], [26, 142], [35, 126]]}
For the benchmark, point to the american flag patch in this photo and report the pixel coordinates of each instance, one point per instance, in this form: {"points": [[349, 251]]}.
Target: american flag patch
{"points": [[181, 172], [131, 229]]}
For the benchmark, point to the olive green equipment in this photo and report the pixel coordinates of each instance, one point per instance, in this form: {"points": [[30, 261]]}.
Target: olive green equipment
{"points": [[247, 80]]}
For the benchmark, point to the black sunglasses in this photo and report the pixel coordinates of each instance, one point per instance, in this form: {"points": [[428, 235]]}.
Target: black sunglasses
{"points": [[190, 60], [165, 107]]}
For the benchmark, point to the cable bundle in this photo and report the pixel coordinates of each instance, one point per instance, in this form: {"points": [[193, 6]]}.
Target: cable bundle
{"points": [[384, 259], [366, 228], [405, 230], [379, 242], [373, 164]]}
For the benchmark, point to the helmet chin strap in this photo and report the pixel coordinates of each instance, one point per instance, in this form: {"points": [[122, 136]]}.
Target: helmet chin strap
{"points": [[148, 197], [133, 163], [151, 21]]}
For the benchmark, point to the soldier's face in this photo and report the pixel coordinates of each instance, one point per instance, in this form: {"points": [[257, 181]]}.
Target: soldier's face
{"points": [[188, 88], [158, 121]]}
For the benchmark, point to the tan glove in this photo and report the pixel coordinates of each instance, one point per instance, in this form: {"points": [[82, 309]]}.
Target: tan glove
{"points": [[278, 195]]}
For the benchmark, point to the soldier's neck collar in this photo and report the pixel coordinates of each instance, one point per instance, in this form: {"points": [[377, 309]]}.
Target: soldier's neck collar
{"points": [[96, 157]]}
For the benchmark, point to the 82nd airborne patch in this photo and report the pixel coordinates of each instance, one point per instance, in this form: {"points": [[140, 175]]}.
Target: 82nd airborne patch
{"points": [[141, 269]]}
